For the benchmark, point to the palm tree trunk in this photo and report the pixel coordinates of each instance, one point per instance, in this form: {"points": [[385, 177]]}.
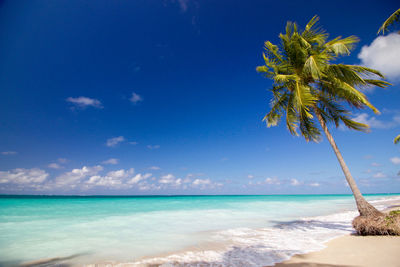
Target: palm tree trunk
{"points": [[363, 206]]}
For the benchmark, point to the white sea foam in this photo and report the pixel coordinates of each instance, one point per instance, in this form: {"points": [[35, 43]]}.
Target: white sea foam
{"points": [[265, 246]]}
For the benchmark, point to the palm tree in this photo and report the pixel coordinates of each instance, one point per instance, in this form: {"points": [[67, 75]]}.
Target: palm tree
{"points": [[397, 139], [393, 18], [309, 88]]}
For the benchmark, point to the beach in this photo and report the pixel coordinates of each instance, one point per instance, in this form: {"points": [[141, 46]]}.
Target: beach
{"points": [[351, 250]]}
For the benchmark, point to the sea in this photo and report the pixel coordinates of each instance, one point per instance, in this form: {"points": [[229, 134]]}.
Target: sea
{"points": [[246, 230]]}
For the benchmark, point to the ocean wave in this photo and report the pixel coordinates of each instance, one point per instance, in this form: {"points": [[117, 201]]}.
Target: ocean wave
{"points": [[265, 246]]}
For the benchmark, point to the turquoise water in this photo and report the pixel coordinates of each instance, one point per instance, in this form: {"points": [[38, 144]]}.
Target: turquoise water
{"points": [[126, 229]]}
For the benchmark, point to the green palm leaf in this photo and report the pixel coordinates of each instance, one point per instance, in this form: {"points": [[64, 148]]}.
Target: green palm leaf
{"points": [[392, 19], [307, 80], [397, 139]]}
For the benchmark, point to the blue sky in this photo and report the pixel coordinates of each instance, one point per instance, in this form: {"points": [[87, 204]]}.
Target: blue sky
{"points": [[162, 97]]}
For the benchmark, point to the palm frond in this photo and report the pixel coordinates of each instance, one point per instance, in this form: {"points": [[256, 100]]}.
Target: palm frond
{"points": [[314, 34], [277, 106], [340, 46], [354, 125], [365, 71], [348, 93], [291, 117], [273, 51], [306, 82], [396, 139], [314, 20], [378, 83], [345, 74], [303, 99], [284, 78], [392, 19], [330, 110], [309, 130], [311, 68]]}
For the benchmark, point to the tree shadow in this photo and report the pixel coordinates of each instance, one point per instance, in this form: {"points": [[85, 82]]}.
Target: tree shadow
{"points": [[311, 224], [57, 261]]}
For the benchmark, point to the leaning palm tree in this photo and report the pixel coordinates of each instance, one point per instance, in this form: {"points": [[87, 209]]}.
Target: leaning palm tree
{"points": [[392, 19], [309, 88]]}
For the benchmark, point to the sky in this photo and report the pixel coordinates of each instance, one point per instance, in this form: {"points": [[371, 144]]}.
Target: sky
{"points": [[151, 97]]}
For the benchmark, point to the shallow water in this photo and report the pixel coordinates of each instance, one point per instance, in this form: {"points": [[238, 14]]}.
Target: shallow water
{"points": [[255, 230]]}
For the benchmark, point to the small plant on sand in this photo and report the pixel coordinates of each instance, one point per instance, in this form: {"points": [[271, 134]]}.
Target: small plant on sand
{"points": [[310, 89]]}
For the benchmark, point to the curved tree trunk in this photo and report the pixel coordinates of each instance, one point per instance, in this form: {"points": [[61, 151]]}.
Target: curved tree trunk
{"points": [[363, 206]]}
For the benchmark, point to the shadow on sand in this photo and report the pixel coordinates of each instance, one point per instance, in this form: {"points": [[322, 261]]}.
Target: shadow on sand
{"points": [[311, 224], [58, 261]]}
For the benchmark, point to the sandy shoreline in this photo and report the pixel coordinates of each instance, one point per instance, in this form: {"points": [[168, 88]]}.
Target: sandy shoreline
{"points": [[351, 251]]}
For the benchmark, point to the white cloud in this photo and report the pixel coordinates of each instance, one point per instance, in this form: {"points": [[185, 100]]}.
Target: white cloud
{"points": [[153, 147], [314, 184], [294, 182], [112, 142], [376, 164], [384, 55], [133, 143], [139, 177], [83, 102], [378, 124], [144, 186], [82, 179], [135, 98], [155, 168], [62, 160], [117, 179], [250, 176], [8, 153], [74, 177], [272, 181], [187, 180], [395, 160], [168, 179], [23, 176], [55, 166], [107, 181], [379, 175], [111, 161], [119, 174], [201, 182]]}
